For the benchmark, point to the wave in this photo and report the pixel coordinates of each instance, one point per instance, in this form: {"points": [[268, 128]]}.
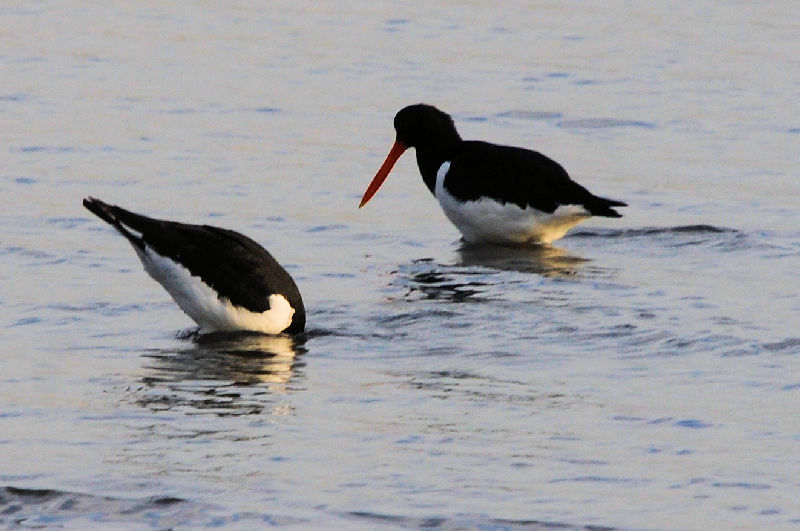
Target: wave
{"points": [[720, 238], [468, 522], [29, 507], [51, 508], [652, 231], [603, 123]]}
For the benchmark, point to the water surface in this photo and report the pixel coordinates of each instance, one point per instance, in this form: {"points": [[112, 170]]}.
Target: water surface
{"points": [[640, 373]]}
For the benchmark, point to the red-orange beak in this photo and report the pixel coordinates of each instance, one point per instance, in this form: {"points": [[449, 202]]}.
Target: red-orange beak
{"points": [[397, 149]]}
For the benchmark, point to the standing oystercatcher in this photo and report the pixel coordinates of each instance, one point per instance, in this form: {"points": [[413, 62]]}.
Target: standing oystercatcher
{"points": [[222, 279], [491, 193]]}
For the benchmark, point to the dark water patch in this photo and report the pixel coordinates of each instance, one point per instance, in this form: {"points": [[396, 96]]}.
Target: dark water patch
{"points": [[26, 252], [318, 332], [58, 150], [720, 238], [26, 321], [725, 345], [113, 310], [529, 115], [611, 332], [790, 346], [68, 223], [475, 387], [271, 219], [466, 521], [626, 418], [47, 149], [651, 231], [338, 275], [333, 227], [55, 509], [14, 97], [430, 281], [740, 485], [603, 123], [410, 318], [693, 424], [743, 351], [199, 400], [48, 508], [644, 338]]}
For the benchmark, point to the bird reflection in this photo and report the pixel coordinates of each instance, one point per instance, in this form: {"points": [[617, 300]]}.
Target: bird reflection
{"points": [[477, 272], [426, 279], [222, 373], [545, 260]]}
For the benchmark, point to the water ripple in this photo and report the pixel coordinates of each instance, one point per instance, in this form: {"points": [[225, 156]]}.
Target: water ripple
{"points": [[226, 374], [468, 522], [529, 115], [51, 508], [603, 123]]}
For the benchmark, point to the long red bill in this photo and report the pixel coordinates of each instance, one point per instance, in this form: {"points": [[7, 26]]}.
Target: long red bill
{"points": [[397, 149]]}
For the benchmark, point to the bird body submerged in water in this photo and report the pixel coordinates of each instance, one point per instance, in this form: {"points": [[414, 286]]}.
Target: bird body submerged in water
{"points": [[491, 193]]}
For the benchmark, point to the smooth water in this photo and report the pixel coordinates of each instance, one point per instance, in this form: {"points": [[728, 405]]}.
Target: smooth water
{"points": [[641, 373]]}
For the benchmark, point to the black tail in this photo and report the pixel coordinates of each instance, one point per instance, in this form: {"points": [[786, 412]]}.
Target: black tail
{"points": [[600, 206], [101, 210], [115, 216]]}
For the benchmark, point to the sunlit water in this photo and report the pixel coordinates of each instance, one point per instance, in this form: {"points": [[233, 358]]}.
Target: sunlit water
{"points": [[641, 373]]}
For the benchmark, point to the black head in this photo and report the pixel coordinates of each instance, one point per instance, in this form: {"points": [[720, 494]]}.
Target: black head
{"points": [[425, 126]]}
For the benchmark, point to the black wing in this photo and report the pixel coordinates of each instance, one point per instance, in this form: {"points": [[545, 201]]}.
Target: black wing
{"points": [[232, 264], [519, 176]]}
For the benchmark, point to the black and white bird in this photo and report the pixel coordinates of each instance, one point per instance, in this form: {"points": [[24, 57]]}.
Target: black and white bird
{"points": [[222, 279], [491, 193]]}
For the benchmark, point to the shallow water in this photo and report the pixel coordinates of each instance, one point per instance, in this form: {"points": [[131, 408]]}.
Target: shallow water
{"points": [[640, 373]]}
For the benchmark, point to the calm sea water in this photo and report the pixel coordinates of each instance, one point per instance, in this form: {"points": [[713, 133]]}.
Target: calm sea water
{"points": [[641, 373]]}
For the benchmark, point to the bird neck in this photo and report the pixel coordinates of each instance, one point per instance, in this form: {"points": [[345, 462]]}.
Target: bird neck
{"points": [[430, 160]]}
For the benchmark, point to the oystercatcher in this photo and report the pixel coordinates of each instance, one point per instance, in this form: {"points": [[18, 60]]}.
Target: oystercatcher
{"points": [[491, 193], [223, 280]]}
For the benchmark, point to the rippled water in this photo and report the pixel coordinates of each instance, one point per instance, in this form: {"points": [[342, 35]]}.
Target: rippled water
{"points": [[641, 373]]}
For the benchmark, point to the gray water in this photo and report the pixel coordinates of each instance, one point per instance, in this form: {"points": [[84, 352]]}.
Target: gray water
{"points": [[641, 373]]}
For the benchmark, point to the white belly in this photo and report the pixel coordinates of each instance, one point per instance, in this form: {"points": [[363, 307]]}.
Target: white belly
{"points": [[489, 221], [202, 304]]}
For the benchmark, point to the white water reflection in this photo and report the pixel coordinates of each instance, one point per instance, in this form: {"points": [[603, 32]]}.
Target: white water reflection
{"points": [[224, 374]]}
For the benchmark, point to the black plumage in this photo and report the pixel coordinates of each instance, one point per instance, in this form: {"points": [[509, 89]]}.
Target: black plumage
{"points": [[480, 169], [234, 266]]}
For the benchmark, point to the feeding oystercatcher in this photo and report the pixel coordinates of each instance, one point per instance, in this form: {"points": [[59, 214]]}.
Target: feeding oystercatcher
{"points": [[222, 279], [491, 193]]}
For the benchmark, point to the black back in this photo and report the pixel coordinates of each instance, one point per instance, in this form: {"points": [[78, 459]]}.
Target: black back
{"points": [[479, 169], [236, 267], [518, 176]]}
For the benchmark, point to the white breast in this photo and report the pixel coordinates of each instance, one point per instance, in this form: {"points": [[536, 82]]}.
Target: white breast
{"points": [[489, 221], [205, 307]]}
